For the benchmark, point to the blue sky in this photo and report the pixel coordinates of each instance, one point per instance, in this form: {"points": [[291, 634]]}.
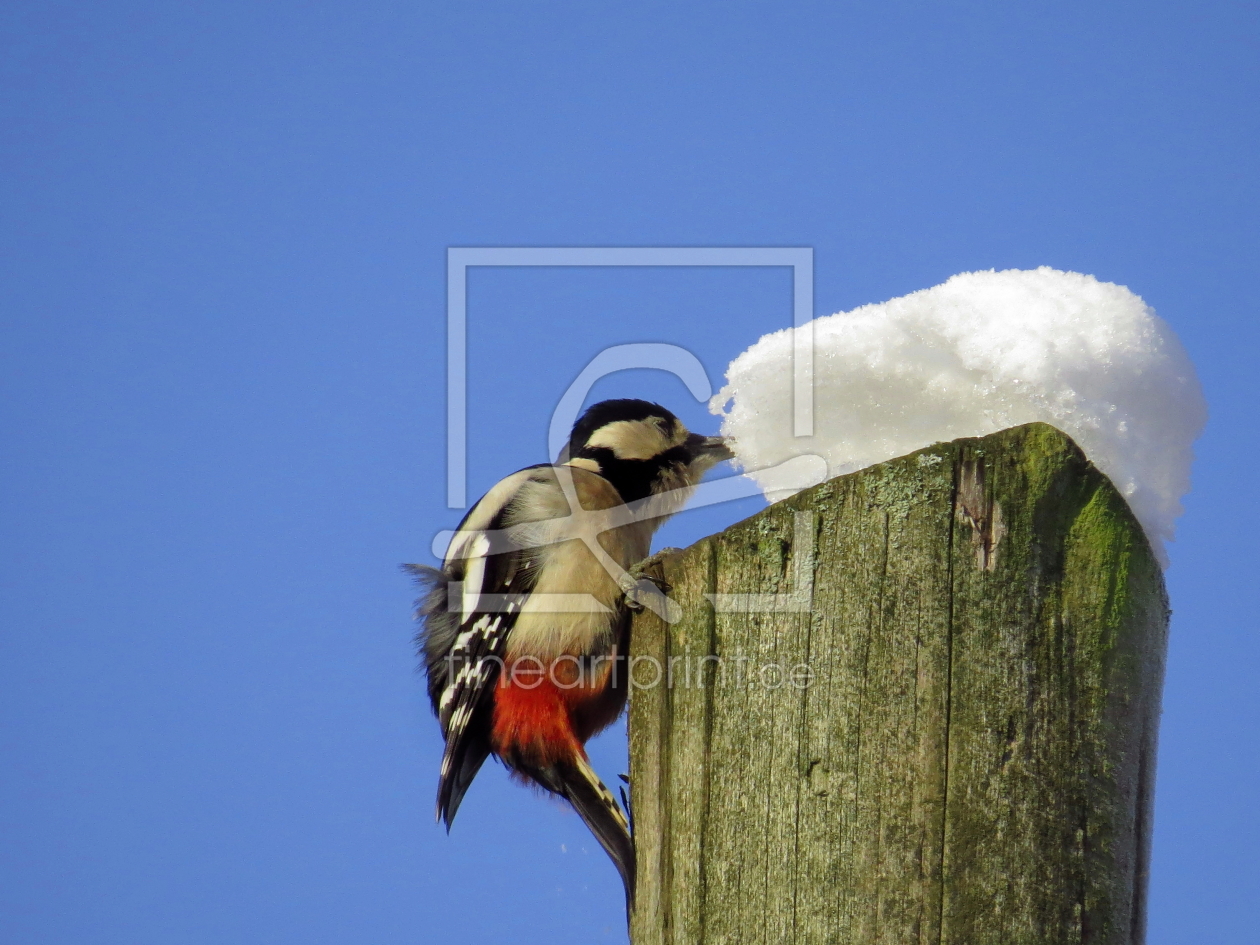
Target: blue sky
{"points": [[222, 300]]}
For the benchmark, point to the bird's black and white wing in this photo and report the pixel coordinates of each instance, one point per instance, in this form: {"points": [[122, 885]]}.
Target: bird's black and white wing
{"points": [[467, 615]]}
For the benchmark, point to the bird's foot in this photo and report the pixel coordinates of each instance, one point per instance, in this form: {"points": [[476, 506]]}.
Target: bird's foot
{"points": [[645, 582], [654, 560], [646, 591], [642, 593], [641, 589]]}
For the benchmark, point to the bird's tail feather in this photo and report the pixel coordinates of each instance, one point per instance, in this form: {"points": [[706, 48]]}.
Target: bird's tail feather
{"points": [[578, 783], [457, 774]]}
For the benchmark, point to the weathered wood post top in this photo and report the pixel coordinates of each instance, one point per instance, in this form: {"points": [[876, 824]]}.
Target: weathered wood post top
{"points": [[917, 703]]}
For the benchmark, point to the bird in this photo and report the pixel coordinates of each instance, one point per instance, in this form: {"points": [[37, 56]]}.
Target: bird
{"points": [[524, 630]]}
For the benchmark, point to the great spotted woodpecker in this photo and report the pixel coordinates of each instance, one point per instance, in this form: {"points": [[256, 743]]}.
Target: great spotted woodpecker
{"points": [[525, 629]]}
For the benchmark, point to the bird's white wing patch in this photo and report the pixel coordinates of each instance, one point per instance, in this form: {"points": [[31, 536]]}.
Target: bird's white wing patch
{"points": [[474, 577]]}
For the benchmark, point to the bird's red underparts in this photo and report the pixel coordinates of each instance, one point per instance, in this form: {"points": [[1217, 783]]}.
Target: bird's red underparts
{"points": [[544, 713]]}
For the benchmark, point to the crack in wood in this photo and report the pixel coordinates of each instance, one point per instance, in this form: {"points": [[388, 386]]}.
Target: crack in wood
{"points": [[976, 506]]}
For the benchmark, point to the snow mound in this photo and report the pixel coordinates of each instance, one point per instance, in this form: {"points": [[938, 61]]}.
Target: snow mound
{"points": [[977, 354]]}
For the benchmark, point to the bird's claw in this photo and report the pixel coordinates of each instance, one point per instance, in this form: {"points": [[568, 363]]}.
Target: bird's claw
{"points": [[625, 802], [645, 591], [640, 570]]}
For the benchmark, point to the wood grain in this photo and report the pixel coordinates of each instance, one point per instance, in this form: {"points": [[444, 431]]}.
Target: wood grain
{"points": [[954, 744]]}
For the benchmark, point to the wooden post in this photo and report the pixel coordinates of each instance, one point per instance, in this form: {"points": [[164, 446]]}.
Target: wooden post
{"points": [[948, 738]]}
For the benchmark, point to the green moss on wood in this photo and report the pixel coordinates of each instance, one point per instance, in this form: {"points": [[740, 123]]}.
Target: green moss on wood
{"points": [[971, 761]]}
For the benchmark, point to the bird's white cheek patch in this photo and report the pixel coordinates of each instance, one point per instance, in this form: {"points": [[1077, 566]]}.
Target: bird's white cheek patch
{"points": [[630, 439]]}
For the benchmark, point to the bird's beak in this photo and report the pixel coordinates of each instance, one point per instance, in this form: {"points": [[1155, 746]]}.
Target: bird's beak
{"points": [[716, 448]]}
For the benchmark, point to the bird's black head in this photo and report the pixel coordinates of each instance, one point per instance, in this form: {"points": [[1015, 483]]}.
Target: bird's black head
{"points": [[641, 448]]}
